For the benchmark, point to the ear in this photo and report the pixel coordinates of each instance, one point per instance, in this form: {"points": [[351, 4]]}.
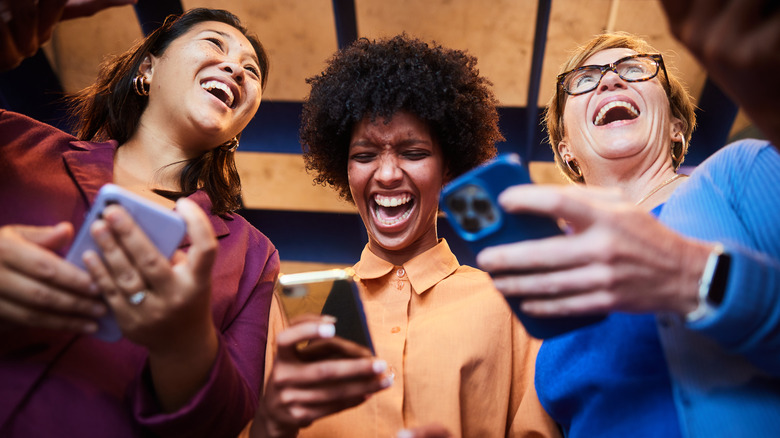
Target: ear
{"points": [[446, 176], [676, 130], [564, 150], [147, 67]]}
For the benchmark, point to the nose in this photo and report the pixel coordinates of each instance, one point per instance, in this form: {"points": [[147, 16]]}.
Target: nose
{"points": [[389, 172], [611, 81], [234, 70]]}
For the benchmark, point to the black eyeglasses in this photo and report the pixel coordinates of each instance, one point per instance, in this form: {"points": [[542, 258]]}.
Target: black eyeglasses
{"points": [[634, 68]]}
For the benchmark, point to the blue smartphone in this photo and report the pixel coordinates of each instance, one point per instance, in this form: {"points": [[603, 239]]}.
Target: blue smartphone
{"points": [[164, 227], [470, 203], [328, 292]]}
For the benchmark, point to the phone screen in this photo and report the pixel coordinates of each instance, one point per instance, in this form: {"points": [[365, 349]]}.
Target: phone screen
{"points": [[330, 292]]}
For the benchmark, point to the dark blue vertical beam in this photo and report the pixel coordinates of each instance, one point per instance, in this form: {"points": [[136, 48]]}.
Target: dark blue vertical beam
{"points": [[535, 78], [715, 116], [151, 13], [34, 89], [346, 22]]}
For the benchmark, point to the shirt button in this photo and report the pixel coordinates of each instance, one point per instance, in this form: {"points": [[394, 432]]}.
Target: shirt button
{"points": [[400, 285], [395, 329], [400, 272]]}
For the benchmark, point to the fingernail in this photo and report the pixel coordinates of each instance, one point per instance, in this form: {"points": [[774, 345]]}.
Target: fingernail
{"points": [[327, 330], [89, 327], [387, 381], [379, 366], [405, 434], [329, 319]]}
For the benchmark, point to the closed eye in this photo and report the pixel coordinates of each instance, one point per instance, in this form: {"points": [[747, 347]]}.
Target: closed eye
{"points": [[216, 42], [416, 155], [363, 157], [253, 70]]}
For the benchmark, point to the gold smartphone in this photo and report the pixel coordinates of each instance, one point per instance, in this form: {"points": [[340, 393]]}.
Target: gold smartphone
{"points": [[329, 292]]}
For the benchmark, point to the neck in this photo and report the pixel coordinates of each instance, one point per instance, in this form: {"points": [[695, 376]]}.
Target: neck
{"points": [[400, 256], [148, 162], [635, 183]]}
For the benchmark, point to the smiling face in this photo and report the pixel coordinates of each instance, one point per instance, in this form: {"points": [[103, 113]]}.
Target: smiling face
{"points": [[396, 171], [618, 122], [206, 85]]}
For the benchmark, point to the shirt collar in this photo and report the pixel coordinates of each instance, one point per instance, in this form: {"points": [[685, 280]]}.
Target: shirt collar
{"points": [[424, 271]]}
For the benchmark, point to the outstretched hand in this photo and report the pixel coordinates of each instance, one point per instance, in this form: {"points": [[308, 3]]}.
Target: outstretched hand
{"points": [[617, 257], [25, 25], [326, 376], [738, 43]]}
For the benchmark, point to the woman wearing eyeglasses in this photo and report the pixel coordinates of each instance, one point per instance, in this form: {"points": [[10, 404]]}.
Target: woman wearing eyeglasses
{"points": [[617, 120], [689, 345]]}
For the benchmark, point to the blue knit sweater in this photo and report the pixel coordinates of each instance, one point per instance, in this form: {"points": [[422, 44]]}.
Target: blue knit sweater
{"points": [[725, 369], [717, 377]]}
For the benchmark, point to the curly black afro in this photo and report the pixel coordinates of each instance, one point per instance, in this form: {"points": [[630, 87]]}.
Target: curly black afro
{"points": [[377, 79]]}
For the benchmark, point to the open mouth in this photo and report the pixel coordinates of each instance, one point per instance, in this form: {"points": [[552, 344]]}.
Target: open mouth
{"points": [[391, 210], [220, 91], [615, 111]]}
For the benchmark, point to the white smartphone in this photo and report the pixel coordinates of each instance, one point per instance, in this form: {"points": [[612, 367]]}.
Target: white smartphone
{"points": [[164, 227], [328, 292]]}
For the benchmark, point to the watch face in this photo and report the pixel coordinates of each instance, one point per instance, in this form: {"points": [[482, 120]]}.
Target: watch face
{"points": [[719, 279]]}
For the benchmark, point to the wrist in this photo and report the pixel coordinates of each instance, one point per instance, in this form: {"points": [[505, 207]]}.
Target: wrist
{"points": [[266, 426]]}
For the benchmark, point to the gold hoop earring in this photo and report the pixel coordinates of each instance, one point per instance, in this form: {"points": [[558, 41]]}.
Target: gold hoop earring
{"points": [[140, 86], [675, 159], [230, 145], [578, 173]]}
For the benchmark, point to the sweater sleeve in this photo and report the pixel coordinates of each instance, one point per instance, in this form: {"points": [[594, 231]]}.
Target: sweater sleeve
{"points": [[734, 198], [748, 320]]}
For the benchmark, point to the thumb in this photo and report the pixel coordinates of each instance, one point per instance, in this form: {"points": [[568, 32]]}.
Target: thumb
{"points": [[50, 237]]}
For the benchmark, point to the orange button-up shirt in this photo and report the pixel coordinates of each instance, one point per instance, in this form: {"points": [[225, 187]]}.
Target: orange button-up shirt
{"points": [[459, 356]]}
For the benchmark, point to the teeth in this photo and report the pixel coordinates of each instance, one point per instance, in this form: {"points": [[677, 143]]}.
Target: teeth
{"points": [[388, 201], [603, 112], [389, 222], [210, 85], [391, 201]]}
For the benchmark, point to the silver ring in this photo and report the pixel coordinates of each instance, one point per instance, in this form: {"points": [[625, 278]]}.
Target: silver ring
{"points": [[137, 298]]}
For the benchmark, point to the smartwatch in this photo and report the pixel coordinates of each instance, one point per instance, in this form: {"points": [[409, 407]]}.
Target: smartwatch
{"points": [[712, 284]]}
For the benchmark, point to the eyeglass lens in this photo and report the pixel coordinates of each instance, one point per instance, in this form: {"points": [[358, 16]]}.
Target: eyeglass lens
{"points": [[630, 69]]}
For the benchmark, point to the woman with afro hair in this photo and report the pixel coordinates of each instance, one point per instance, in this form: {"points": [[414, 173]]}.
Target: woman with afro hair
{"points": [[387, 124]]}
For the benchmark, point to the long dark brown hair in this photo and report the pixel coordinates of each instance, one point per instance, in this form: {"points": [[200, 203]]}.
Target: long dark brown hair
{"points": [[111, 109]]}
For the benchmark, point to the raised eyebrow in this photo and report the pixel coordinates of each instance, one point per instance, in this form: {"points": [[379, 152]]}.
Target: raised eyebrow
{"points": [[225, 35]]}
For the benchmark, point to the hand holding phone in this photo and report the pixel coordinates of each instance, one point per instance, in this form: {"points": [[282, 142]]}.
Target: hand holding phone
{"points": [[329, 292], [165, 229], [470, 203]]}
